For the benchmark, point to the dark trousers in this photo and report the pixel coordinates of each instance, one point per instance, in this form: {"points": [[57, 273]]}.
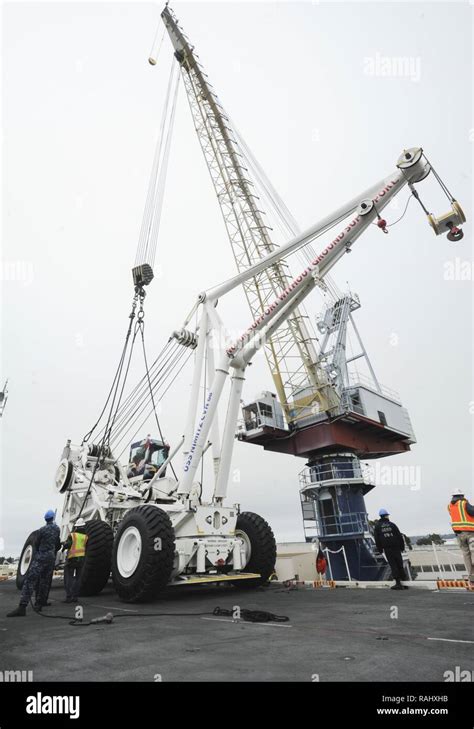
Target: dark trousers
{"points": [[72, 577], [38, 578], [395, 560]]}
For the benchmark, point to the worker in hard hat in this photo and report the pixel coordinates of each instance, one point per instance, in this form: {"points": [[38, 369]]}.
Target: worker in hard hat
{"points": [[41, 568], [462, 523], [389, 539], [76, 544]]}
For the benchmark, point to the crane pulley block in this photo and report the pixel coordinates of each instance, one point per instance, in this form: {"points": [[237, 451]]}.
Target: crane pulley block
{"points": [[142, 275], [186, 338], [450, 222]]}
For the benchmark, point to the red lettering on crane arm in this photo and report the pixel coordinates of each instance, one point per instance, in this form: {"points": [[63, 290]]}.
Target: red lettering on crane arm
{"points": [[296, 283]]}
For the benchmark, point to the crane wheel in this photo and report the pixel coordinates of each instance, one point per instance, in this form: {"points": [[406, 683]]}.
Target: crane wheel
{"points": [[260, 542], [98, 559], [26, 558], [143, 554]]}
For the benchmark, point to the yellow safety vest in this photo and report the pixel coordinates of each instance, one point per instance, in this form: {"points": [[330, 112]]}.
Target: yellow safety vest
{"points": [[461, 521], [78, 546]]}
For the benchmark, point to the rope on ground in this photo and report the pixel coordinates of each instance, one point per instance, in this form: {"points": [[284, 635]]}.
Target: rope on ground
{"points": [[250, 616]]}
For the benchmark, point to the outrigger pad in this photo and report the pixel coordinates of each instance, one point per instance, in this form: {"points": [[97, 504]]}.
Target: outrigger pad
{"points": [[202, 579], [142, 275]]}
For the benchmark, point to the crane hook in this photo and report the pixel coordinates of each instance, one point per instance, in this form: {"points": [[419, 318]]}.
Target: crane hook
{"points": [[455, 234]]}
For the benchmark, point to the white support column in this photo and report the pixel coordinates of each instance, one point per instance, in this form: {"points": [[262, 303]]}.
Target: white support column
{"points": [[215, 433], [203, 426], [228, 437], [193, 399]]}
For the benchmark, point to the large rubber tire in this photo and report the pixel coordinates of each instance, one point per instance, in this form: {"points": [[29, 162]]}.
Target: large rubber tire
{"points": [[263, 548], [143, 554], [98, 559], [29, 548]]}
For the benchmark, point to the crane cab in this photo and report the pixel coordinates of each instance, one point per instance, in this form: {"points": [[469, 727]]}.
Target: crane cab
{"points": [[264, 411], [146, 457]]}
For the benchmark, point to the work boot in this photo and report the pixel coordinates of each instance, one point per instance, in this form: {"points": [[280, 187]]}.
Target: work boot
{"points": [[39, 605], [19, 612], [397, 586]]}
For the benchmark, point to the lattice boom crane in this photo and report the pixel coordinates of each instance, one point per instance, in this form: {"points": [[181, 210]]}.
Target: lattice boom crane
{"points": [[290, 352]]}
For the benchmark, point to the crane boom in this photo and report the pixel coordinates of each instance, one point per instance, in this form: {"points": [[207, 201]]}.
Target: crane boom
{"points": [[412, 167], [290, 352]]}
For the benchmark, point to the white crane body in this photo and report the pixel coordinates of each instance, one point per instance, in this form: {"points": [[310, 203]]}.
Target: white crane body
{"points": [[205, 534], [161, 531]]}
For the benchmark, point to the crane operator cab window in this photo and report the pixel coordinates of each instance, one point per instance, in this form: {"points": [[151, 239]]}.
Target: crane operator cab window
{"points": [[146, 457], [258, 414], [251, 416]]}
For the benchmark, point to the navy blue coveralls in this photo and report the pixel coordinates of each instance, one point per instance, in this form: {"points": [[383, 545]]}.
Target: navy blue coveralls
{"points": [[39, 575]]}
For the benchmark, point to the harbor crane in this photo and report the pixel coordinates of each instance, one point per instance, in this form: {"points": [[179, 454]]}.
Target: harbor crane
{"points": [[324, 409]]}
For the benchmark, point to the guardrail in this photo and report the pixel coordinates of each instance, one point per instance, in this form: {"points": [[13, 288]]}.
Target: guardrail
{"points": [[348, 524], [314, 475]]}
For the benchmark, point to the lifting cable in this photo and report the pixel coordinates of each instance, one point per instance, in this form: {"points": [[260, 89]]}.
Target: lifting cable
{"points": [[389, 225], [137, 392], [141, 327], [440, 182], [285, 220], [148, 238], [142, 275], [117, 384], [161, 397], [158, 378], [137, 407], [124, 434]]}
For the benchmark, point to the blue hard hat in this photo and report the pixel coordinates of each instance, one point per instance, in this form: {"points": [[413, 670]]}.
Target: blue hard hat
{"points": [[50, 514], [383, 512]]}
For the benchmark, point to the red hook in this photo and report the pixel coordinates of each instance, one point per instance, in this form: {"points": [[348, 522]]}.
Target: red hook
{"points": [[455, 234]]}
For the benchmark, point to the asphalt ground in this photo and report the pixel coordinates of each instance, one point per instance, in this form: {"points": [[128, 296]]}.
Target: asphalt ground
{"points": [[331, 635]]}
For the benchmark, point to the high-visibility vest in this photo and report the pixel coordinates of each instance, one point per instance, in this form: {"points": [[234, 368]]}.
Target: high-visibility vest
{"points": [[78, 546], [461, 521]]}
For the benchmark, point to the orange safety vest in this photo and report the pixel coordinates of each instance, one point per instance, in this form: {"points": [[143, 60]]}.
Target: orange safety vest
{"points": [[78, 546], [461, 521]]}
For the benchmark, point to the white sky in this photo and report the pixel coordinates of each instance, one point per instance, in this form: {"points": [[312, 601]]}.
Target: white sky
{"points": [[81, 109]]}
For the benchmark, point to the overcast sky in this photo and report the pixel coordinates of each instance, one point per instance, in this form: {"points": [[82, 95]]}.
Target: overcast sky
{"points": [[316, 91]]}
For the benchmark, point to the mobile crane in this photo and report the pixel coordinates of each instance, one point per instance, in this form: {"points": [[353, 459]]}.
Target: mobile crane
{"points": [[152, 529], [160, 531]]}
